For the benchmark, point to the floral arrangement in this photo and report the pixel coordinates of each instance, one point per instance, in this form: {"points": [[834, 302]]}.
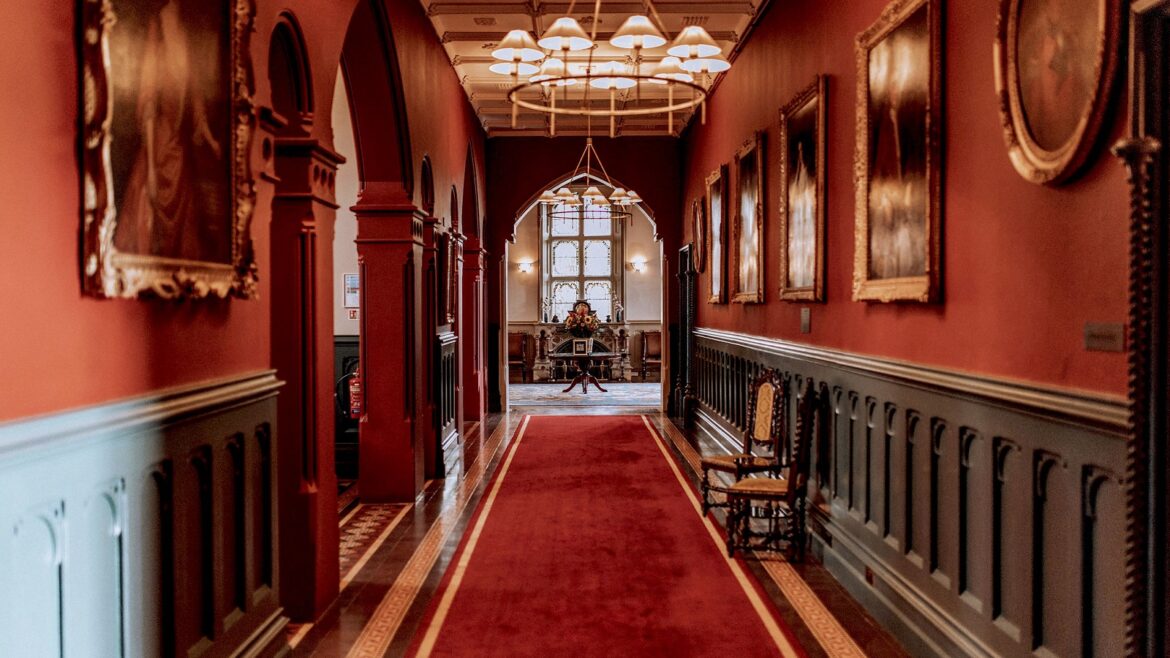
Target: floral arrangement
{"points": [[582, 324]]}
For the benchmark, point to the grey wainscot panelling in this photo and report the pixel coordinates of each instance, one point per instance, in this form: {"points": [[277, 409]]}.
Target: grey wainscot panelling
{"points": [[143, 527], [972, 516]]}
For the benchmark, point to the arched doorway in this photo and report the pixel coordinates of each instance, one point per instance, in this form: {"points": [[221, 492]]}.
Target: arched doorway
{"points": [[614, 263], [390, 260]]}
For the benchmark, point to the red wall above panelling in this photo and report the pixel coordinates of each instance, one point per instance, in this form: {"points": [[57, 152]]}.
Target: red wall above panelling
{"points": [[60, 350], [1024, 266]]}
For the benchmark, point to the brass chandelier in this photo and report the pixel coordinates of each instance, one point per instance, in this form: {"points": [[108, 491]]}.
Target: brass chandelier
{"points": [[560, 85], [565, 203]]}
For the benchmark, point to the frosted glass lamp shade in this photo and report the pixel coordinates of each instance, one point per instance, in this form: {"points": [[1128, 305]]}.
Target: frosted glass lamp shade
{"points": [[518, 46], [565, 34], [670, 68], [514, 68], [693, 41], [637, 32], [592, 193], [713, 64], [610, 77], [547, 197], [552, 68]]}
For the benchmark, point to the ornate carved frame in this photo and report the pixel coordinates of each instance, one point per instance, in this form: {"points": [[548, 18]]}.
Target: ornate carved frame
{"points": [[699, 232], [717, 183], [106, 272], [754, 147], [924, 288], [1034, 162], [814, 93]]}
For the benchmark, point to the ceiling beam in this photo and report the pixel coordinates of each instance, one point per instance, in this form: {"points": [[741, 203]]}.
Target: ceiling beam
{"points": [[584, 9], [495, 36]]}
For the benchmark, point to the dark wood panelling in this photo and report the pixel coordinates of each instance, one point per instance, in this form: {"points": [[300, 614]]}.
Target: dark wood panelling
{"points": [[979, 510], [169, 505], [446, 394]]}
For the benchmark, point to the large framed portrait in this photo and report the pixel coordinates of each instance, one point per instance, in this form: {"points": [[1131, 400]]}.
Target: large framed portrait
{"points": [[748, 227], [898, 164], [699, 233], [1055, 65], [717, 225], [802, 195], [167, 122]]}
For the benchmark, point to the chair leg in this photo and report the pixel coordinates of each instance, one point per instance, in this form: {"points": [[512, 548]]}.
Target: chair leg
{"points": [[705, 491], [732, 524], [800, 533]]}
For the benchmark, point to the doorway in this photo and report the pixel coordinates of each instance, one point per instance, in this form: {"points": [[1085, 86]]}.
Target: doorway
{"points": [[561, 258]]}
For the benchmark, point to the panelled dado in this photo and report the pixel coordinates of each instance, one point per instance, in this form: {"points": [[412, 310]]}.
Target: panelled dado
{"points": [[144, 527], [972, 516]]}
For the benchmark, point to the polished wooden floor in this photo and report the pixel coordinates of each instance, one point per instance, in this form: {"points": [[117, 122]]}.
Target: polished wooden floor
{"points": [[394, 556]]}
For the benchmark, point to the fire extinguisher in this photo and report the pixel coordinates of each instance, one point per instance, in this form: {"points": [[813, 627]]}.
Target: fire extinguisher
{"points": [[355, 395]]}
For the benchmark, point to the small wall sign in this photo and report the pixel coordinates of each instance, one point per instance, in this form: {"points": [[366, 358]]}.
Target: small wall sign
{"points": [[352, 288]]}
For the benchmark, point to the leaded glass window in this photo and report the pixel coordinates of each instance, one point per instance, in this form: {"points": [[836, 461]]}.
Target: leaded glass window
{"points": [[583, 248]]}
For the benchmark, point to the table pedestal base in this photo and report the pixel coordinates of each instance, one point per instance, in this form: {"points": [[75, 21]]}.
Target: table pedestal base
{"points": [[584, 378]]}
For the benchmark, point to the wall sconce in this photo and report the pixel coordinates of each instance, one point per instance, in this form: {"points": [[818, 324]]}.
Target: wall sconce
{"points": [[638, 264], [524, 266]]}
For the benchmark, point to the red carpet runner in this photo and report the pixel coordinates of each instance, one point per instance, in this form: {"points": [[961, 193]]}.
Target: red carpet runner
{"points": [[589, 543]]}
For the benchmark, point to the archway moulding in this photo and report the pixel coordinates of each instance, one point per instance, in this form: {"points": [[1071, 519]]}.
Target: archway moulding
{"points": [[564, 180]]}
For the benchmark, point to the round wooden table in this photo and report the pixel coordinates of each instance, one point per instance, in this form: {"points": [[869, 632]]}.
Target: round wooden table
{"points": [[584, 377]]}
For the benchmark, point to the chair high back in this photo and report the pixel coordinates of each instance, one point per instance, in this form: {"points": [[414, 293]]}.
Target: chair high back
{"points": [[517, 342], [767, 404], [806, 421], [652, 344]]}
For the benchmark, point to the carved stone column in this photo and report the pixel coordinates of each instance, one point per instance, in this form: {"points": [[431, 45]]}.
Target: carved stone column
{"points": [[390, 257], [303, 212]]}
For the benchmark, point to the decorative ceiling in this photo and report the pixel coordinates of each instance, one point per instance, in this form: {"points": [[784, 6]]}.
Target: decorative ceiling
{"points": [[471, 29]]}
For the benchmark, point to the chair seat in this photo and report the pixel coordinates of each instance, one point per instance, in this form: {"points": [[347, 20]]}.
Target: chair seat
{"points": [[728, 463], [759, 488]]}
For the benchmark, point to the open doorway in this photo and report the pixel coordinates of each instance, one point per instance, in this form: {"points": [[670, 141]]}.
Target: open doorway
{"points": [[346, 325], [587, 258]]}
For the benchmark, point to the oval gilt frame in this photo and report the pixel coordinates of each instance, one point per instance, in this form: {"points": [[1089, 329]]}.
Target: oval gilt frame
{"points": [[1033, 161], [699, 233]]}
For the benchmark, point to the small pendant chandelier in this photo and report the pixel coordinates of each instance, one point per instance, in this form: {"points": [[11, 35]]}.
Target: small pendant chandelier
{"points": [[567, 84], [567, 204]]}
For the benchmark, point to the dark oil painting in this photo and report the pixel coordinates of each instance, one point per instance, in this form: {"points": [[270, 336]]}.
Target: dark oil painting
{"points": [[1056, 52], [899, 197], [801, 207], [171, 128]]}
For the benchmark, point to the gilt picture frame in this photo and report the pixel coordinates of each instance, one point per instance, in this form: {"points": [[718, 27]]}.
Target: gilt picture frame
{"points": [[802, 194], [1055, 64], [167, 120], [748, 223], [699, 233], [898, 159], [716, 197]]}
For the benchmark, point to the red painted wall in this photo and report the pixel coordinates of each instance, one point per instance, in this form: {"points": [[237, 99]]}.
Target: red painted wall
{"points": [[59, 349], [1024, 266]]}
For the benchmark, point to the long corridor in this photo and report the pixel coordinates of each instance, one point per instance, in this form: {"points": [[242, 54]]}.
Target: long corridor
{"points": [[480, 566]]}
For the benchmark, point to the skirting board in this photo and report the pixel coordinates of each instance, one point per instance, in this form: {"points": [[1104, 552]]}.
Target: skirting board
{"points": [[922, 628]]}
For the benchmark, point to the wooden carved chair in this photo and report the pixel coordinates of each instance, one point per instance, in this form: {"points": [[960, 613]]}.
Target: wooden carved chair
{"points": [[651, 351], [763, 447], [780, 503], [518, 354]]}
